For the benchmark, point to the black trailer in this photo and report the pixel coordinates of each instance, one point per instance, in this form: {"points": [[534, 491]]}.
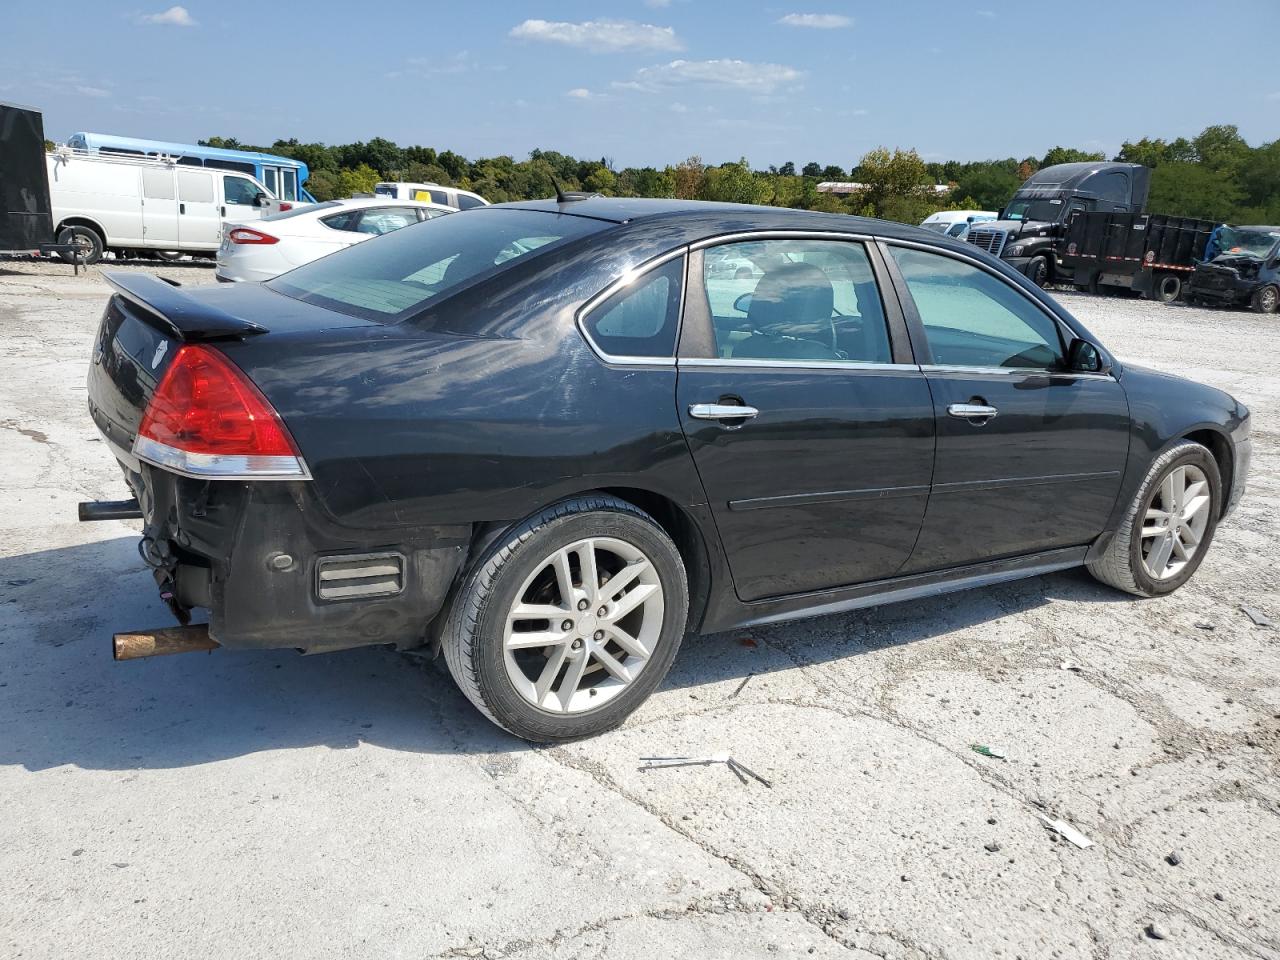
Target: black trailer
{"points": [[26, 222], [1152, 255]]}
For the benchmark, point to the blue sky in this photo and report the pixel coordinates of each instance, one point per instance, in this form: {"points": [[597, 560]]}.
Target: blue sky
{"points": [[652, 81]]}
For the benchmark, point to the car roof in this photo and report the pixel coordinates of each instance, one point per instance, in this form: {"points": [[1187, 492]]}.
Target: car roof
{"points": [[388, 201], [701, 218]]}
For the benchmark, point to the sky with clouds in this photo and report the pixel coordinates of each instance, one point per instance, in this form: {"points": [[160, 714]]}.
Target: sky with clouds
{"points": [[652, 81]]}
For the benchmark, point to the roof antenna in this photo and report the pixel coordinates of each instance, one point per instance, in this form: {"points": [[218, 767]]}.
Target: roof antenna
{"points": [[572, 195], [560, 195]]}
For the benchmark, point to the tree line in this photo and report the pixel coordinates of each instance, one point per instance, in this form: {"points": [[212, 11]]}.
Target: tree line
{"points": [[1216, 175]]}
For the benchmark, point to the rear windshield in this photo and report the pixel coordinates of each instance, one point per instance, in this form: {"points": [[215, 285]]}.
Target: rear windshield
{"points": [[391, 277], [305, 208]]}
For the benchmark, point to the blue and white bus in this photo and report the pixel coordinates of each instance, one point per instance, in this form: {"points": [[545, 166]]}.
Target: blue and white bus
{"points": [[281, 175]]}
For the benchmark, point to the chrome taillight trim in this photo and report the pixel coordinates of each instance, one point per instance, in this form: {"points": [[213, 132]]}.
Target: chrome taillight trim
{"points": [[212, 466]]}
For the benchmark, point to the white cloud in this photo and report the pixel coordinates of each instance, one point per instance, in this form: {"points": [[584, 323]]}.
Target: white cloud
{"points": [[987, 13], [818, 21], [173, 17], [579, 93], [86, 91], [734, 74], [657, 4], [600, 36]]}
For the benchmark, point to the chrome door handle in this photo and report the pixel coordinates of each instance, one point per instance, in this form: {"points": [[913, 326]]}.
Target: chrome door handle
{"points": [[721, 411], [972, 411]]}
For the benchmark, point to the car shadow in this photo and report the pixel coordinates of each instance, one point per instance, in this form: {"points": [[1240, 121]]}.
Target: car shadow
{"points": [[64, 701]]}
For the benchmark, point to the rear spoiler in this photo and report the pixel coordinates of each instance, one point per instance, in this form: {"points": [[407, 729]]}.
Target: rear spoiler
{"points": [[176, 312]]}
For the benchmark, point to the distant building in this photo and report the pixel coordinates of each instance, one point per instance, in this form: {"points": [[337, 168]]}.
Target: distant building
{"points": [[847, 186]]}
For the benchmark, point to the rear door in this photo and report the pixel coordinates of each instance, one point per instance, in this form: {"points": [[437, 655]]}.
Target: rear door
{"points": [[810, 425], [160, 208], [1029, 455], [199, 226]]}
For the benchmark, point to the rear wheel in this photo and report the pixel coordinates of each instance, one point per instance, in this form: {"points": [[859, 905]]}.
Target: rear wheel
{"points": [[1265, 299], [85, 241], [167, 255], [569, 621], [1168, 287], [1168, 527]]}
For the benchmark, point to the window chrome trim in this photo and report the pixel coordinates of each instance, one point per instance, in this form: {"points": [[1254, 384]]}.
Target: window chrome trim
{"points": [[1011, 371], [846, 365], [791, 234], [626, 280]]}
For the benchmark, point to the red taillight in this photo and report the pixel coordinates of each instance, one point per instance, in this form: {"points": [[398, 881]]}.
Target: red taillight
{"points": [[245, 235], [207, 419], [285, 206]]}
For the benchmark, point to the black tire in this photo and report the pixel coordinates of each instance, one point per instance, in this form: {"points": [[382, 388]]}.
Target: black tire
{"points": [[1121, 565], [89, 245], [169, 256], [1265, 299], [1038, 271], [1167, 288], [473, 634]]}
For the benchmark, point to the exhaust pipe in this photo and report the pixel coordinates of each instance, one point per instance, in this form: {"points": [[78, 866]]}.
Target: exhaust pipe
{"points": [[109, 510], [162, 642]]}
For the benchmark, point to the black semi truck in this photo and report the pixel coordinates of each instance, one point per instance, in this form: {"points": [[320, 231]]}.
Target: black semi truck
{"points": [[1033, 225], [26, 223]]}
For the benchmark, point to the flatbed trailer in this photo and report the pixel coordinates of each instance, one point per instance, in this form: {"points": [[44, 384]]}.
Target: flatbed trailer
{"points": [[1151, 254]]}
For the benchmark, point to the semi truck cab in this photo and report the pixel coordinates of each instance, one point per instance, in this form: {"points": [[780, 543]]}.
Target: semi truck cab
{"points": [[1030, 229]]}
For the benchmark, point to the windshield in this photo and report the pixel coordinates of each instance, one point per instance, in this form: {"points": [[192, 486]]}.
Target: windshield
{"points": [[1041, 210], [393, 276], [299, 211], [939, 226], [1249, 243]]}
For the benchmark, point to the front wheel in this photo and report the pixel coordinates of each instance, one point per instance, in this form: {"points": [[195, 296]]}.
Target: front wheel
{"points": [[1265, 299], [1038, 271], [569, 621], [1168, 527]]}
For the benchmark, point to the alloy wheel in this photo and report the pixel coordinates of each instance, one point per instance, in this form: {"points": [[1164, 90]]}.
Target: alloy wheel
{"points": [[1175, 521], [584, 625]]}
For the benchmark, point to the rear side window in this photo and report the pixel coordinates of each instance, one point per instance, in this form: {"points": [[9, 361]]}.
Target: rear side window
{"points": [[641, 319], [195, 187], [380, 220], [346, 220], [973, 318], [466, 203], [403, 272], [795, 300]]}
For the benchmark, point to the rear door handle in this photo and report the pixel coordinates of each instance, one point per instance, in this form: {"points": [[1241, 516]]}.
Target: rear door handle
{"points": [[182, 208], [972, 411], [722, 411]]}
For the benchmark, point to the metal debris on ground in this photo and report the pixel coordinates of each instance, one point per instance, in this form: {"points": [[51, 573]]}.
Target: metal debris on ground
{"points": [[1070, 665], [1205, 626], [741, 685], [1257, 616], [995, 753], [1066, 831], [741, 771]]}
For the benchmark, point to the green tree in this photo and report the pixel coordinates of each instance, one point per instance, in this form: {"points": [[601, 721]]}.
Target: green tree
{"points": [[1058, 155], [360, 179], [812, 170], [1221, 149], [734, 183], [897, 185], [687, 176], [1192, 190], [601, 180]]}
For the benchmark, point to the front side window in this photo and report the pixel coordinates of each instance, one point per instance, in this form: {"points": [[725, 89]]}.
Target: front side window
{"points": [[240, 191], [269, 178], [795, 300], [405, 271], [641, 319], [157, 184], [973, 318]]}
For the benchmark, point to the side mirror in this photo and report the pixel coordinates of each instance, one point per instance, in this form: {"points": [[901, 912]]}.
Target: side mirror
{"points": [[743, 303], [260, 199], [1086, 357]]}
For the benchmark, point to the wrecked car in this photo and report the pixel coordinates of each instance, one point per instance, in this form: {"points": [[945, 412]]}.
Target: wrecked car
{"points": [[1245, 272], [550, 439]]}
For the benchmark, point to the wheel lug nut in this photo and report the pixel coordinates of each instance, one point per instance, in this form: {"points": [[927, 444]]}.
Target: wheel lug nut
{"points": [[599, 634], [567, 625], [602, 612], [582, 604], [577, 645]]}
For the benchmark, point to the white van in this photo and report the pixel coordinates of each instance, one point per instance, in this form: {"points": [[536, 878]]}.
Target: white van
{"points": [[126, 204], [431, 193], [956, 223]]}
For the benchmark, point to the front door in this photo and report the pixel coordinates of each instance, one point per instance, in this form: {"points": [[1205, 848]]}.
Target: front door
{"points": [[1029, 455], [815, 448], [240, 198]]}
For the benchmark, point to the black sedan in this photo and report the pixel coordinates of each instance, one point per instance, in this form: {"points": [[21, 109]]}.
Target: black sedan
{"points": [[552, 438]]}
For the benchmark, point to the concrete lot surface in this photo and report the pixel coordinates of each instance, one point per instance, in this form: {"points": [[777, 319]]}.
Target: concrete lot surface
{"points": [[353, 805]]}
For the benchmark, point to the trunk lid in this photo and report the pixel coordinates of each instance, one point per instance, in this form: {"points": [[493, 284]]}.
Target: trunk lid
{"points": [[147, 319]]}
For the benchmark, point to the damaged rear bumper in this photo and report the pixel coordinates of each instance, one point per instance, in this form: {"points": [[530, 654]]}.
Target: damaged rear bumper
{"points": [[274, 570]]}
